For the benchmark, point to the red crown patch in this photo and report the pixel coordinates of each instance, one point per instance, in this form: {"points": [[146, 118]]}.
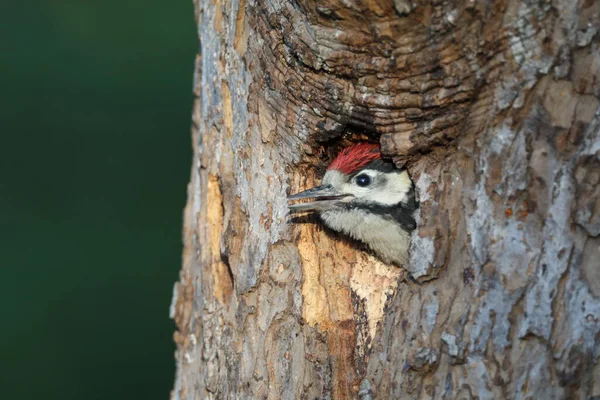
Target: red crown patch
{"points": [[355, 157]]}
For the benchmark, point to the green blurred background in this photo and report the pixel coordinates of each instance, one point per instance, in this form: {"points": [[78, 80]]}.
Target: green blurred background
{"points": [[95, 112]]}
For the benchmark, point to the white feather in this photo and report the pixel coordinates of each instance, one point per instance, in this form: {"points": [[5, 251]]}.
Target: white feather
{"points": [[385, 237], [397, 185]]}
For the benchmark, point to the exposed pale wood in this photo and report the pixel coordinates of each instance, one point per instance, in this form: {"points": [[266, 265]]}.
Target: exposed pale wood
{"points": [[494, 109]]}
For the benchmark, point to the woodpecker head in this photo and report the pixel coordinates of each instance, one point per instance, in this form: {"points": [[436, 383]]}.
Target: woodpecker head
{"points": [[366, 198]]}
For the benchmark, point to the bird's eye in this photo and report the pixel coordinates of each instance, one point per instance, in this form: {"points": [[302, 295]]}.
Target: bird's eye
{"points": [[363, 180]]}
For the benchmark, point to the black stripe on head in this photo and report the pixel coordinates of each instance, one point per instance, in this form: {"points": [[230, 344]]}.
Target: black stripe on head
{"points": [[403, 212], [378, 165]]}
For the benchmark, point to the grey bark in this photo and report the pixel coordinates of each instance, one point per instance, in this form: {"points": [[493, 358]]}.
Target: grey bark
{"points": [[494, 109]]}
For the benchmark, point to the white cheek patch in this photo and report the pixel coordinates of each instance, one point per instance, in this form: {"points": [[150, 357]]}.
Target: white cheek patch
{"points": [[394, 191], [362, 192], [339, 181], [397, 186]]}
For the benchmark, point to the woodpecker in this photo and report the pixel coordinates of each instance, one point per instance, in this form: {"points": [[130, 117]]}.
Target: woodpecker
{"points": [[366, 198]]}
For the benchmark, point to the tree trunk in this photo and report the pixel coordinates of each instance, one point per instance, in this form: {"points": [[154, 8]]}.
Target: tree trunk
{"points": [[494, 109]]}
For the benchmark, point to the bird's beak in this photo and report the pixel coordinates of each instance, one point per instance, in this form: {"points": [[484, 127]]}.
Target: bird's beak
{"points": [[325, 196]]}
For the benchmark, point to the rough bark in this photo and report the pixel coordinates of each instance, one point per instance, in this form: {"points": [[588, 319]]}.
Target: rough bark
{"points": [[494, 109]]}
